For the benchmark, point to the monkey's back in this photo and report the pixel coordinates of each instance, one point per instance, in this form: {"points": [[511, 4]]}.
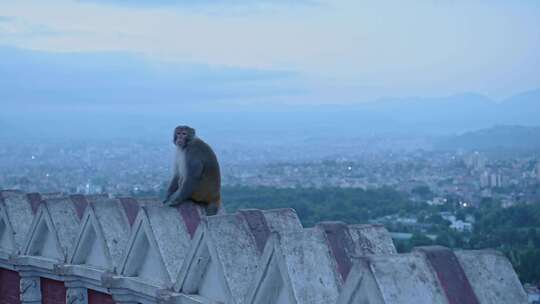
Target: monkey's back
{"points": [[208, 189]]}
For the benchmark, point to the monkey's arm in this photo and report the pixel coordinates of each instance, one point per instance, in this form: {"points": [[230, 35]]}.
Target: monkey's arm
{"points": [[173, 186], [194, 173]]}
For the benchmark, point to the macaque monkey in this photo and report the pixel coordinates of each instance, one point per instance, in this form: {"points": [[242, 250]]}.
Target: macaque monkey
{"points": [[196, 172]]}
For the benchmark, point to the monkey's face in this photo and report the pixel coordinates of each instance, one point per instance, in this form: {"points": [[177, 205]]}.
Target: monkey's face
{"points": [[182, 136]]}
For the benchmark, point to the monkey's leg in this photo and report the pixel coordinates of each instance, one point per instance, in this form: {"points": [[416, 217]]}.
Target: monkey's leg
{"points": [[178, 196], [189, 184], [174, 199], [173, 187]]}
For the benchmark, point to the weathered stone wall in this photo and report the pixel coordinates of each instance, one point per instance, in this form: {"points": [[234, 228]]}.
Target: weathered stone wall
{"points": [[79, 249]]}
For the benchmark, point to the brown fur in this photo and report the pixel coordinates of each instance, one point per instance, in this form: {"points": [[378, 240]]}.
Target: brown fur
{"points": [[197, 167]]}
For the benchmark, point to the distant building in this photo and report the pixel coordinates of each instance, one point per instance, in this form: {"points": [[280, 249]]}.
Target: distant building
{"points": [[507, 203], [406, 220], [89, 188], [437, 201], [461, 226], [486, 193], [456, 224], [491, 180], [475, 161], [484, 179]]}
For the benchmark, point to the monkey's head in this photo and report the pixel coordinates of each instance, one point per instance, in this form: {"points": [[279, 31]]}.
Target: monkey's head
{"points": [[183, 135]]}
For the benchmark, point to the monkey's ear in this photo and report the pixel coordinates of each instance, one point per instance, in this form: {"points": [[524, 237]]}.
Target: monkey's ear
{"points": [[174, 137]]}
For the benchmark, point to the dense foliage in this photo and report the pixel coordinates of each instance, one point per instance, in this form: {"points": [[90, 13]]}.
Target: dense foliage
{"points": [[325, 204], [513, 230]]}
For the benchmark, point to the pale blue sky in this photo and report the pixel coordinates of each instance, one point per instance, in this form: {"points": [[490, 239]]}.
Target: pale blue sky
{"points": [[342, 51]]}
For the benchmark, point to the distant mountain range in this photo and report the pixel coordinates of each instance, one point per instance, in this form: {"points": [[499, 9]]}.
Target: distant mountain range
{"points": [[457, 113], [451, 115], [454, 114], [498, 137]]}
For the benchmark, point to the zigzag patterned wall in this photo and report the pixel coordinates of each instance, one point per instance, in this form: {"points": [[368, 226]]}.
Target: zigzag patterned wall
{"points": [[94, 249]]}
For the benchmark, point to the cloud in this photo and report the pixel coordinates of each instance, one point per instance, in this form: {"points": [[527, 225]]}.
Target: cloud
{"points": [[202, 3], [83, 79], [393, 48], [4, 19], [16, 28]]}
